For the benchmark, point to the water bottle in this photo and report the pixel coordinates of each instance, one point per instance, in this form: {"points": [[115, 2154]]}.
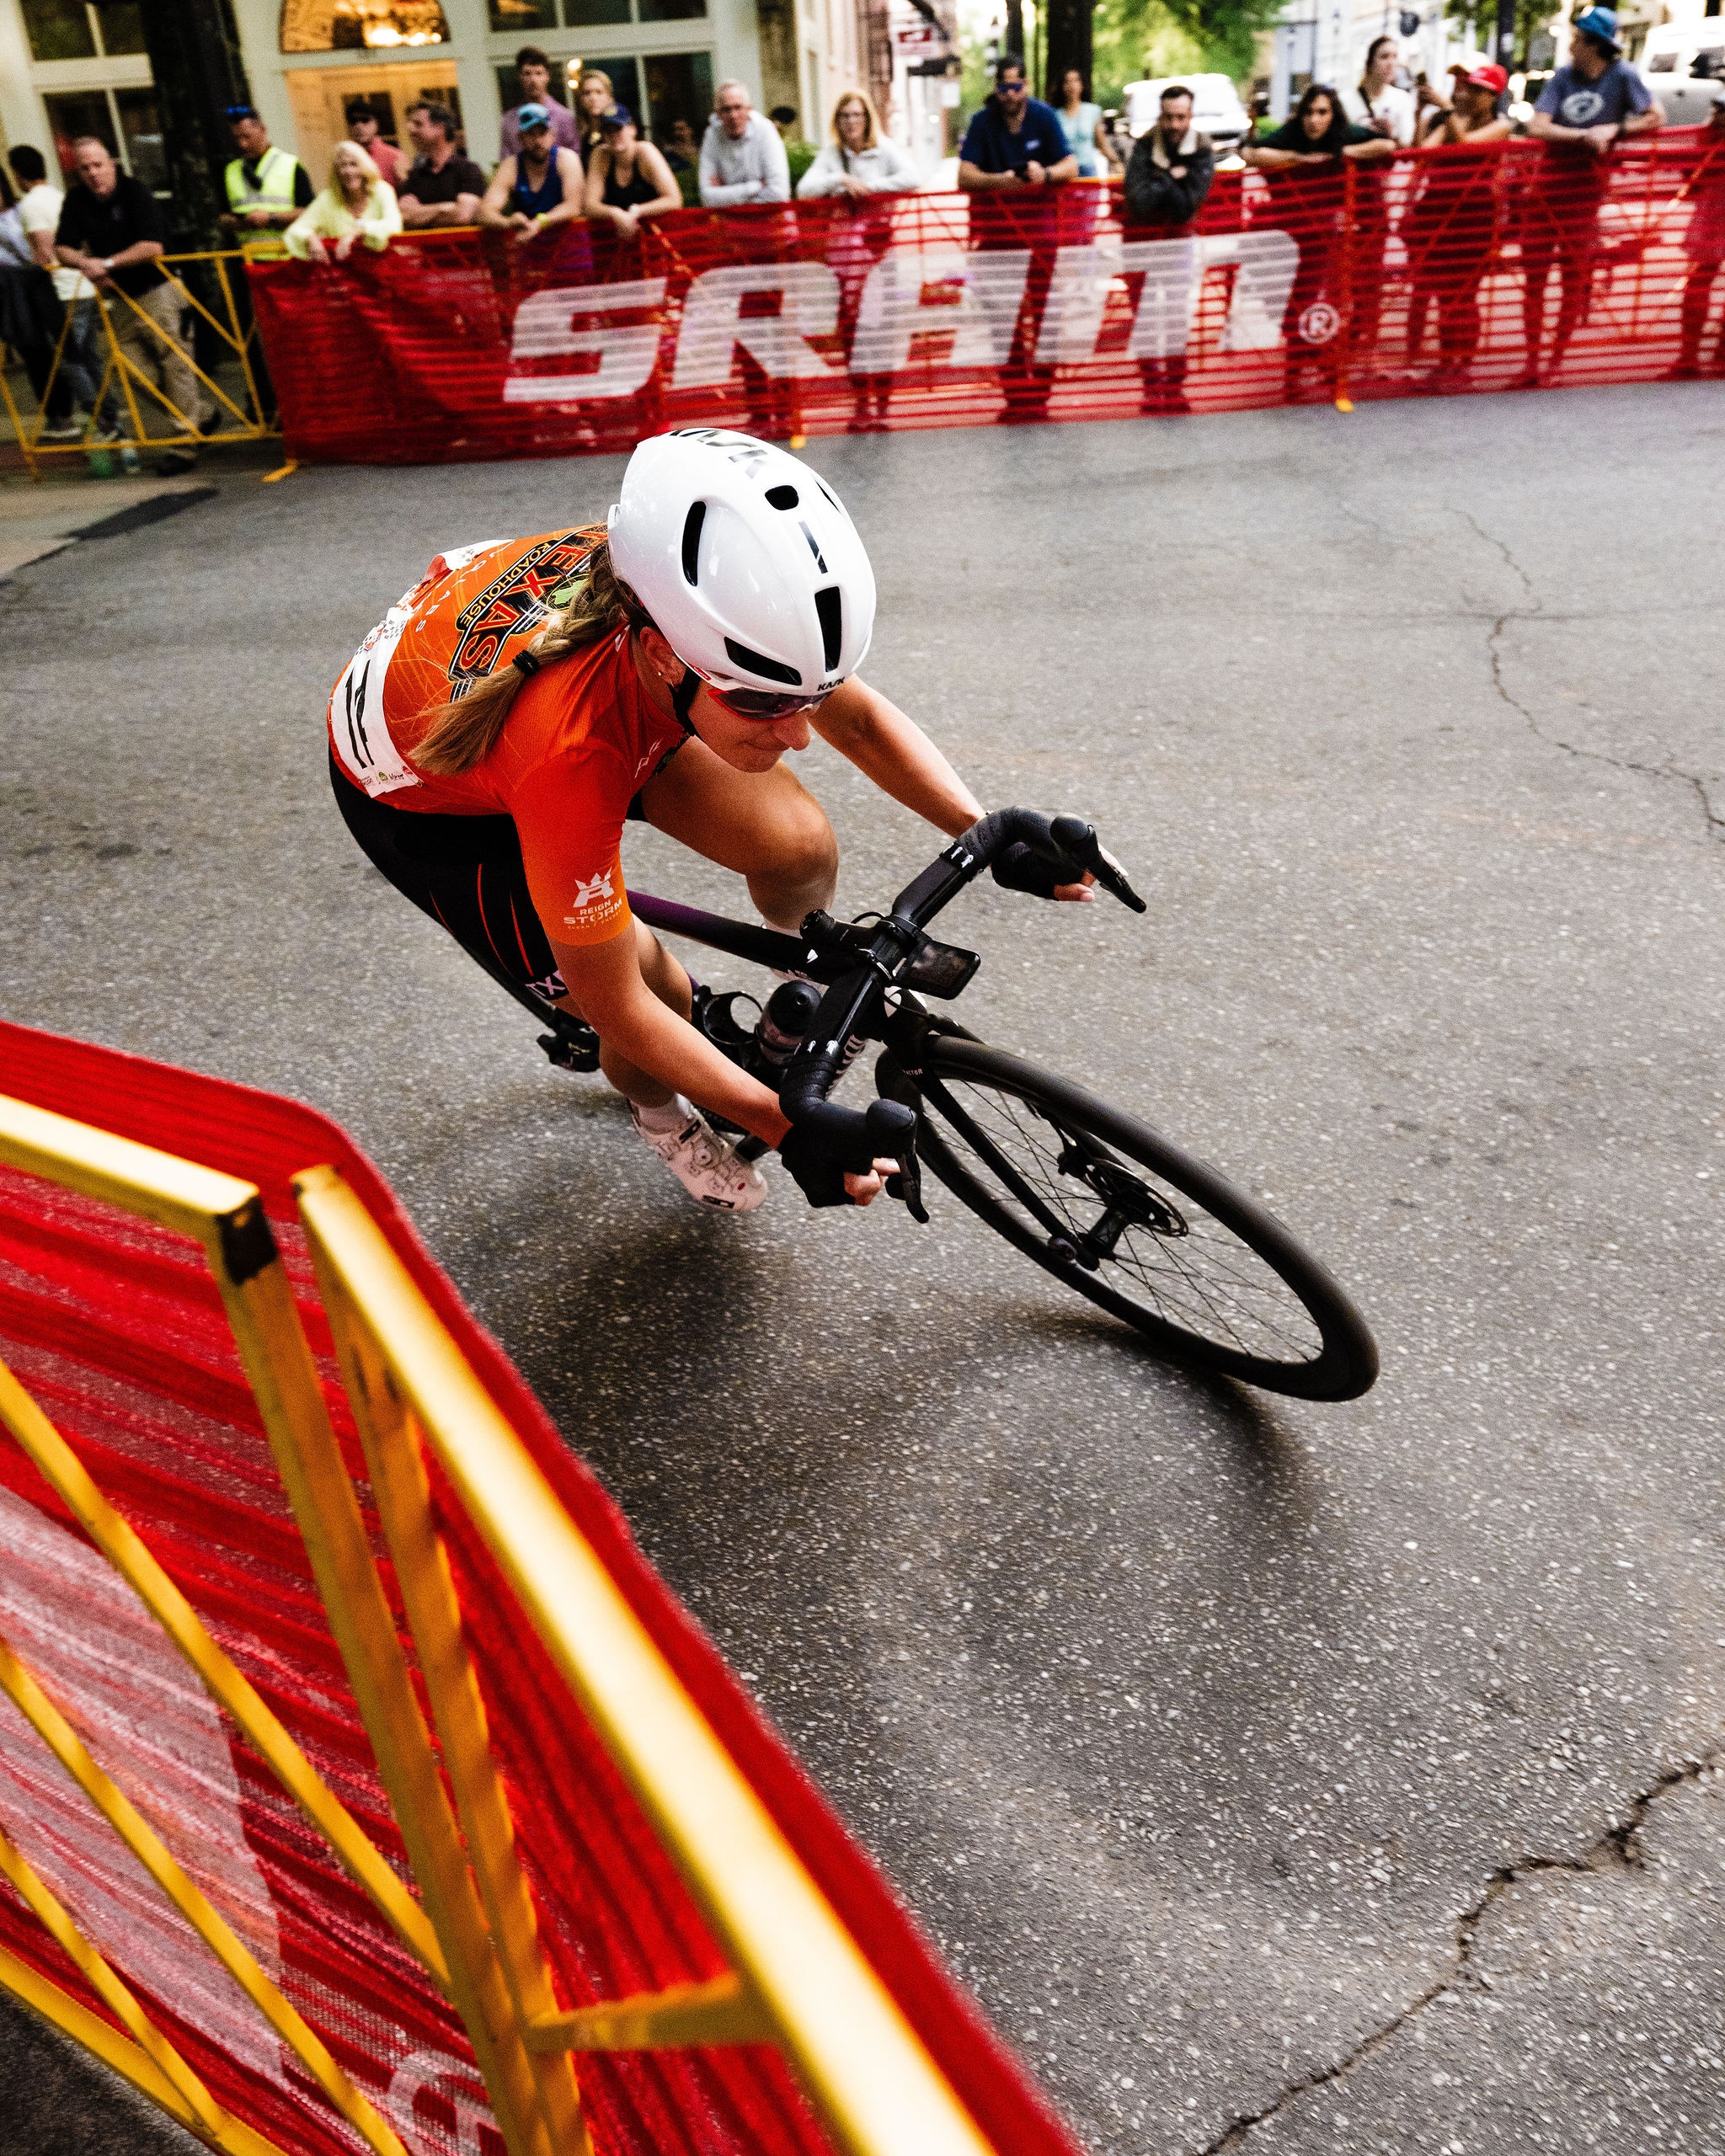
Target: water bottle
{"points": [[129, 461], [789, 1013]]}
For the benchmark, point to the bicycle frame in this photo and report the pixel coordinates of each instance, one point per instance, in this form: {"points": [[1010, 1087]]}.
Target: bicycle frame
{"points": [[1095, 1176], [761, 947], [861, 963]]}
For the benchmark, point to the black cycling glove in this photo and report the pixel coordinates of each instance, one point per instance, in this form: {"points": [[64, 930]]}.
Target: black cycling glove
{"points": [[819, 1175], [1020, 869]]}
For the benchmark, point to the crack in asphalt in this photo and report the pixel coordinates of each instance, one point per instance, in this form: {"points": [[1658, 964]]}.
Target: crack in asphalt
{"points": [[1713, 823], [1617, 1850]]}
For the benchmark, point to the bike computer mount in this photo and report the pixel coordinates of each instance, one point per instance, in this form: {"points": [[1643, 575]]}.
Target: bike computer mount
{"points": [[942, 970]]}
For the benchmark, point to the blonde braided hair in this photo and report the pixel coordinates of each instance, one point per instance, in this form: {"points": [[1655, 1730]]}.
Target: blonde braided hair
{"points": [[462, 734]]}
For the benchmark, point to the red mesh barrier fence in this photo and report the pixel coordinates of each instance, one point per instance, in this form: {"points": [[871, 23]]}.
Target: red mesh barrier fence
{"points": [[116, 1329], [1450, 269]]}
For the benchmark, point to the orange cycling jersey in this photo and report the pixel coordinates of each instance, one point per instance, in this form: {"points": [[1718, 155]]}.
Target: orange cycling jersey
{"points": [[579, 740]]}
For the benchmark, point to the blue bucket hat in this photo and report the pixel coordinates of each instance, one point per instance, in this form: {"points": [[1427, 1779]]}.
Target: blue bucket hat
{"points": [[536, 115], [1600, 22]]}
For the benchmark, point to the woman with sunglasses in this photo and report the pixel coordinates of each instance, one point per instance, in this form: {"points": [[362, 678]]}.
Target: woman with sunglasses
{"points": [[495, 732]]}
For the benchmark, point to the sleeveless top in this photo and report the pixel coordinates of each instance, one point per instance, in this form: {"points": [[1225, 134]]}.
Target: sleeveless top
{"points": [[535, 201], [579, 741], [1079, 128], [639, 189]]}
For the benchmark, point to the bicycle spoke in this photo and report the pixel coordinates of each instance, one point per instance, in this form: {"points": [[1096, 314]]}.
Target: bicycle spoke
{"points": [[1206, 1281], [998, 1162]]}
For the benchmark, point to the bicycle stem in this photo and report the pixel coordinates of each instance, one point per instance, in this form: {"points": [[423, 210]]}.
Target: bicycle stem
{"points": [[888, 1127]]}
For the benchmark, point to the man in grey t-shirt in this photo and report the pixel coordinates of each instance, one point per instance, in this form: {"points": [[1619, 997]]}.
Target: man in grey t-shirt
{"points": [[1585, 110]]}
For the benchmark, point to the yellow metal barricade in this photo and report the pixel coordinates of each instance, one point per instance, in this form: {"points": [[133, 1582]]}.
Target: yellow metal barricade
{"points": [[796, 1978], [152, 420]]}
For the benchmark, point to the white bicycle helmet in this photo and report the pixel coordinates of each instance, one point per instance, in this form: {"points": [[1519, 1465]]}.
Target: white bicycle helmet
{"points": [[748, 563]]}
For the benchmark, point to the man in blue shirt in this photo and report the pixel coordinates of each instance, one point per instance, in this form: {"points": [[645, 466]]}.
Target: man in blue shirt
{"points": [[1585, 110], [1014, 160], [1015, 140]]}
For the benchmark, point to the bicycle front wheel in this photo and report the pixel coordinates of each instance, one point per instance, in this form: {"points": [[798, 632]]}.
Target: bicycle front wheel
{"points": [[1111, 1209]]}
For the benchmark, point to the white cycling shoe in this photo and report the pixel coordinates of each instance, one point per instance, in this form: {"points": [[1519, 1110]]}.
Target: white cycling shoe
{"points": [[705, 1164]]}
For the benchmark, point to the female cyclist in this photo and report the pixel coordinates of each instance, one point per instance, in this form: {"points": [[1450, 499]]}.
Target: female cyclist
{"points": [[495, 730]]}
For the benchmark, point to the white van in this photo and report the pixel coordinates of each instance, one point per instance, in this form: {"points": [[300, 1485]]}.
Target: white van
{"points": [[1680, 63], [1216, 109]]}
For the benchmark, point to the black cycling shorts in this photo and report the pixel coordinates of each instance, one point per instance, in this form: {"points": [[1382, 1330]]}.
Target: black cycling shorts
{"points": [[466, 873]]}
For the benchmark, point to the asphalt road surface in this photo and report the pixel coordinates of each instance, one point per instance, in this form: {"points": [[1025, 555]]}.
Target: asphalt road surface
{"points": [[1281, 1776]]}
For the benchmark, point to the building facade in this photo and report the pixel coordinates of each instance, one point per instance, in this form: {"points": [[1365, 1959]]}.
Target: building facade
{"points": [[69, 67]]}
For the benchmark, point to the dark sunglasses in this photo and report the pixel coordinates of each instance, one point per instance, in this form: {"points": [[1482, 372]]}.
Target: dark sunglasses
{"points": [[763, 703]]}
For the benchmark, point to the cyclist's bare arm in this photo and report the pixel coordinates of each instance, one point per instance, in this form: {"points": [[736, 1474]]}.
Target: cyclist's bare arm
{"points": [[641, 1030], [891, 747], [641, 1037], [884, 745]]}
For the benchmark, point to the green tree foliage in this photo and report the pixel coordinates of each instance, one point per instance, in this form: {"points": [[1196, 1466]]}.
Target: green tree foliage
{"points": [[1474, 24], [1136, 38], [974, 42]]}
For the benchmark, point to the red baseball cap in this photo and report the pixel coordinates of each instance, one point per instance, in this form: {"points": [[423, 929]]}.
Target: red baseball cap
{"points": [[1491, 78]]}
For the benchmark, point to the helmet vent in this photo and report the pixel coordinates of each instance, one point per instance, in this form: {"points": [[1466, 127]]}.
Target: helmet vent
{"points": [[770, 670], [829, 606], [782, 497], [692, 541]]}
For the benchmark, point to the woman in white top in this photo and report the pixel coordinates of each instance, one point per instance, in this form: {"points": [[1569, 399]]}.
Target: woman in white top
{"points": [[357, 204], [1376, 103], [859, 161], [859, 166], [1379, 106]]}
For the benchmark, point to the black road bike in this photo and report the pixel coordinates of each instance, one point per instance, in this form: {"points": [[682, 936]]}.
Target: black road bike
{"points": [[1097, 1198]]}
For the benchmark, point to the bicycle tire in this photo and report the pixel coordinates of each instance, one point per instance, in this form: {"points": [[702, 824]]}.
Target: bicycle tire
{"points": [[1281, 1323]]}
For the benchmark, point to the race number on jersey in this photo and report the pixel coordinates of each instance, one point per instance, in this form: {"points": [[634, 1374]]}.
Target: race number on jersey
{"points": [[363, 746]]}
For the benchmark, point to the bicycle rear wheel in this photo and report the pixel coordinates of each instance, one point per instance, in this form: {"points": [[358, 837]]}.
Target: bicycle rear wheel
{"points": [[1109, 1207]]}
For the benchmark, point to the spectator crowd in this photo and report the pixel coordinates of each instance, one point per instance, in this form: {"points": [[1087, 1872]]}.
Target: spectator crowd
{"points": [[81, 280]]}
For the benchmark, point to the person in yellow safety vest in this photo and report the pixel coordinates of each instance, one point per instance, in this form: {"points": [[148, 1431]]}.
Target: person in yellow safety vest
{"points": [[267, 188]]}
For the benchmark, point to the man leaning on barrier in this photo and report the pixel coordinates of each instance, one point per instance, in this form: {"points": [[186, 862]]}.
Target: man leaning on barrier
{"points": [[743, 162], [1014, 160], [1583, 112], [742, 157], [536, 187], [1171, 168], [80, 369], [1015, 140], [444, 188], [111, 230]]}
